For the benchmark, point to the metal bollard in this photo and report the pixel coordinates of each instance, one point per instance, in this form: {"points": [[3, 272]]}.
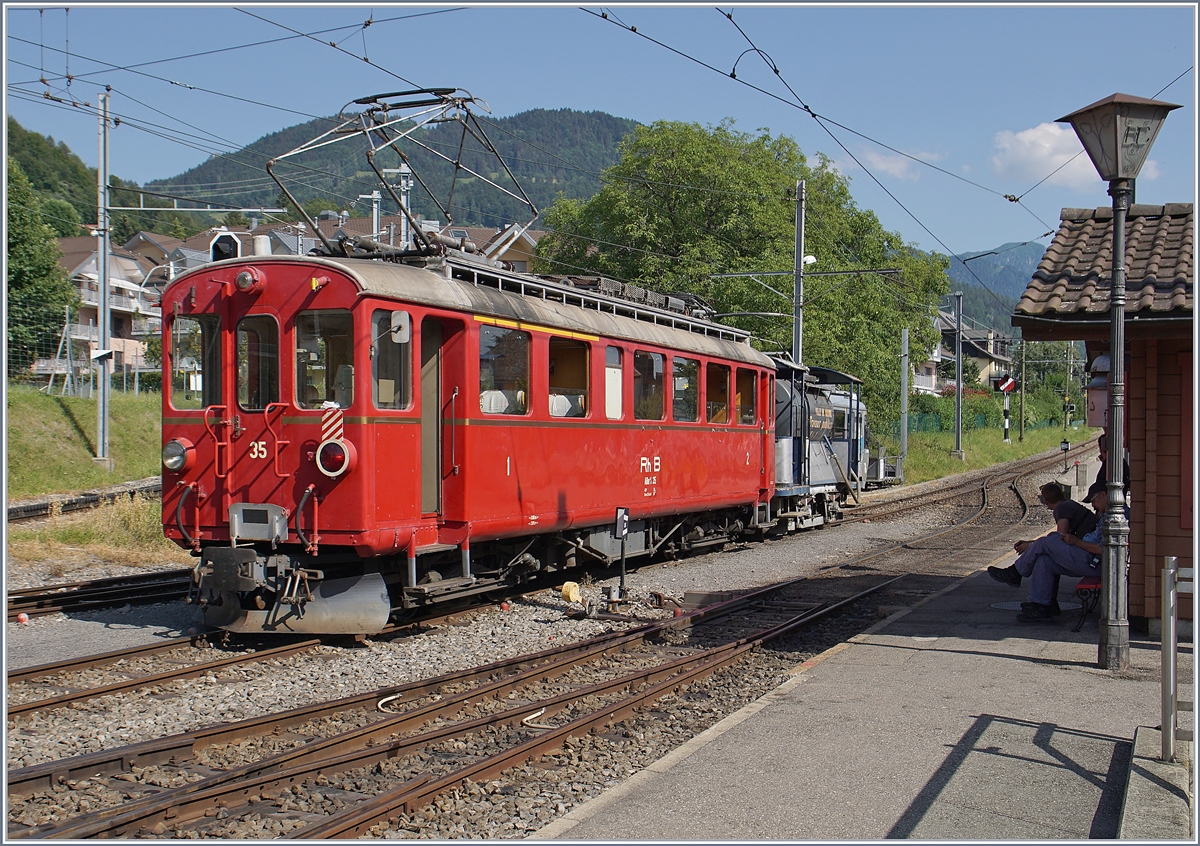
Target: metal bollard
{"points": [[1171, 588], [1169, 645]]}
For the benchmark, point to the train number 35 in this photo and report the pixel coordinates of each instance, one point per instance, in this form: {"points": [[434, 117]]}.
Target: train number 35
{"points": [[258, 449]]}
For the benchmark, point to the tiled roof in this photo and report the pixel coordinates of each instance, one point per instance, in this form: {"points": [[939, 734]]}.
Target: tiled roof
{"points": [[1073, 281], [81, 250]]}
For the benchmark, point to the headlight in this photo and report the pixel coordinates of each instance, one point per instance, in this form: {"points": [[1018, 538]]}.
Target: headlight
{"points": [[250, 280], [336, 457], [177, 454]]}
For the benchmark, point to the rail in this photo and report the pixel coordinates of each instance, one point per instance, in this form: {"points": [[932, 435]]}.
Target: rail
{"points": [[1175, 580]]}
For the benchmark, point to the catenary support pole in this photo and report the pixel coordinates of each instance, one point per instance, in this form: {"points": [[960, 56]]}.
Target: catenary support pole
{"points": [[104, 364], [903, 402], [958, 377], [798, 285]]}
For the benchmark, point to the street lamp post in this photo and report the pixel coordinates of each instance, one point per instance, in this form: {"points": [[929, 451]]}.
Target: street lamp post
{"points": [[1117, 133]]}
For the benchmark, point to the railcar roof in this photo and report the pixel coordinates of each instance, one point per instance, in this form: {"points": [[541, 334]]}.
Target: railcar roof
{"points": [[594, 314]]}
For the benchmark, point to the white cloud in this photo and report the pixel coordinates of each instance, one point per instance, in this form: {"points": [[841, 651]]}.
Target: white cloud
{"points": [[1031, 155], [898, 167]]}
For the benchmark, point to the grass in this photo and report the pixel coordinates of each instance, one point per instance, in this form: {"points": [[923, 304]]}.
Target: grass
{"points": [[128, 531], [929, 452], [51, 441]]}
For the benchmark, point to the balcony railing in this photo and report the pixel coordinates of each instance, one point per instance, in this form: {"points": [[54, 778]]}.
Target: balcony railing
{"points": [[91, 333], [924, 383], [117, 299], [147, 326]]}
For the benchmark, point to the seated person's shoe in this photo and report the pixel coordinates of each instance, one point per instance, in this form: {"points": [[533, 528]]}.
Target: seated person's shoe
{"points": [[1054, 607], [1008, 575], [1036, 613]]}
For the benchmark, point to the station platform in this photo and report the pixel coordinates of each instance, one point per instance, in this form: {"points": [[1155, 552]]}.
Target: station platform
{"points": [[947, 720]]}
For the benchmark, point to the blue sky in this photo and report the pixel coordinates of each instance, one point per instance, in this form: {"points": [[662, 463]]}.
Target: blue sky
{"points": [[973, 90]]}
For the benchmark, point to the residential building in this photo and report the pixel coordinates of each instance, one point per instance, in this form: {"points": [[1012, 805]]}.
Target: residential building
{"points": [[133, 306]]}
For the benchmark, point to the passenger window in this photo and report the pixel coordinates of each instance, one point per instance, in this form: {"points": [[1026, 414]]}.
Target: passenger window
{"points": [[568, 366], [324, 358], [716, 386], [647, 386], [195, 362], [391, 365], [613, 383], [744, 397], [685, 390], [257, 362], [503, 370]]}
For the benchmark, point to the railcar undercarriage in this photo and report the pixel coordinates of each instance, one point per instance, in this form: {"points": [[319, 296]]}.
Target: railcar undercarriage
{"points": [[256, 589]]}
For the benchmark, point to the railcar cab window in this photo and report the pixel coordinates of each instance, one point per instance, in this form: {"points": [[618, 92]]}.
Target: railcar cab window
{"points": [[839, 425], [195, 360], [744, 397], [325, 358], [647, 386], [391, 365], [257, 362], [568, 366], [503, 370], [716, 387], [613, 383], [685, 390]]}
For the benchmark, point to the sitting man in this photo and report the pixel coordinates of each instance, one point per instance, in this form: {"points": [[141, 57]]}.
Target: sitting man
{"points": [[1084, 560], [1070, 518]]}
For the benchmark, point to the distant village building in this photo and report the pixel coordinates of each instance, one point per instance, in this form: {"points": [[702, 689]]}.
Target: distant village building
{"points": [[133, 308]]}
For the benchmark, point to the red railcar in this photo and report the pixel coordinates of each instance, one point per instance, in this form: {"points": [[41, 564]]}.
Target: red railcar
{"points": [[346, 439]]}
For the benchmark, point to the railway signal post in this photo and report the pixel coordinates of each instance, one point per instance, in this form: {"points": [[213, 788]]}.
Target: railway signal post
{"points": [[1006, 385]]}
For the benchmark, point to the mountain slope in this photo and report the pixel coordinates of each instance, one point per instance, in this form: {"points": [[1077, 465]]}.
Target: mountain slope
{"points": [[1004, 272], [548, 151]]}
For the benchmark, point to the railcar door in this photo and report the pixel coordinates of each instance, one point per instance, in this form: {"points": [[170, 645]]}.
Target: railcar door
{"points": [[443, 409], [256, 409], [431, 416]]}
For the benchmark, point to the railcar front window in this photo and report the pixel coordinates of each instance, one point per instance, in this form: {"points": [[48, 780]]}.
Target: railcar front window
{"points": [[568, 366], [503, 370], [391, 365], [744, 397], [717, 391], [648, 386], [325, 358], [685, 390], [195, 361], [257, 362]]}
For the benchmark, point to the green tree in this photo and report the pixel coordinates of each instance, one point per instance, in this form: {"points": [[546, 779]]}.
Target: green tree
{"points": [[121, 228], [38, 289], [685, 202], [62, 218], [236, 220]]}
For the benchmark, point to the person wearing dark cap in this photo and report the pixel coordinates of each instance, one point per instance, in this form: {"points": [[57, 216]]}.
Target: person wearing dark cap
{"points": [[1084, 561], [1070, 517]]}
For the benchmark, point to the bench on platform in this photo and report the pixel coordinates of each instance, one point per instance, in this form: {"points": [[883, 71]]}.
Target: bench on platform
{"points": [[1088, 591]]}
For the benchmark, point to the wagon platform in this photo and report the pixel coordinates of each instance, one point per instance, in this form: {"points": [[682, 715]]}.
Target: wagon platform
{"points": [[947, 720]]}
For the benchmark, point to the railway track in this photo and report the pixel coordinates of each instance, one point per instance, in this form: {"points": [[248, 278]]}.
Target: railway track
{"points": [[116, 591], [50, 506], [346, 767]]}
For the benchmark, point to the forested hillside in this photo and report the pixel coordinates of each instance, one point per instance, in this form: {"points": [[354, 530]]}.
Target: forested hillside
{"points": [[549, 152], [1004, 271], [53, 170]]}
